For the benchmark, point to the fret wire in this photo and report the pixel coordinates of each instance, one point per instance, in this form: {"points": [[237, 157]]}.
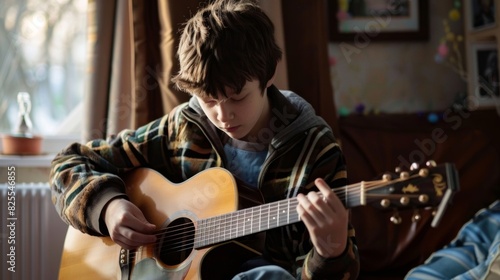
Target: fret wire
{"points": [[275, 218], [241, 220], [217, 230], [278, 215], [260, 218], [214, 230], [244, 230], [250, 228], [238, 221], [205, 233], [254, 218], [205, 228], [197, 234], [256, 221], [288, 216], [268, 215], [225, 227], [210, 237], [249, 221], [234, 226], [210, 230]]}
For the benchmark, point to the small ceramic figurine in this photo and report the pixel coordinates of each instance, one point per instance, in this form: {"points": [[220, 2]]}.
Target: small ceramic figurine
{"points": [[25, 126]]}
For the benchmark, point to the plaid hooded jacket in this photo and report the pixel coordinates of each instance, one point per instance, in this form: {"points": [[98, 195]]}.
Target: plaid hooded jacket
{"points": [[183, 143]]}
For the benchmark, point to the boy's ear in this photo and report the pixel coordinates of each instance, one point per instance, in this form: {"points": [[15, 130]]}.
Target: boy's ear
{"points": [[271, 81]]}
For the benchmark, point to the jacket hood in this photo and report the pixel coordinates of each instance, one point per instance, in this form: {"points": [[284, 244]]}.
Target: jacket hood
{"points": [[292, 114]]}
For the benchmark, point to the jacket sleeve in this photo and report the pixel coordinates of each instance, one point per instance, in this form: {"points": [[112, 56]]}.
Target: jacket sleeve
{"points": [[84, 178], [345, 266]]}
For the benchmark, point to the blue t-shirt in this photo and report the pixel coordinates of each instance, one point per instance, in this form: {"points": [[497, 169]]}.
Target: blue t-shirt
{"points": [[245, 160]]}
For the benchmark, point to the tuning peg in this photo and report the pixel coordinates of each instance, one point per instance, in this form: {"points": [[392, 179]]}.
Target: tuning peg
{"points": [[397, 169], [385, 203], [396, 219], [423, 198], [431, 163], [414, 166], [416, 216], [424, 172], [404, 200], [386, 177], [404, 175]]}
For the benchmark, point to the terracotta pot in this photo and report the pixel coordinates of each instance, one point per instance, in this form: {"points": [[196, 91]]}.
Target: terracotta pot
{"points": [[21, 145]]}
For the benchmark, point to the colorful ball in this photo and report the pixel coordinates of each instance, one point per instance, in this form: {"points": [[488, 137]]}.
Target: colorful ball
{"points": [[343, 111], [443, 50], [454, 14], [433, 118], [360, 108]]}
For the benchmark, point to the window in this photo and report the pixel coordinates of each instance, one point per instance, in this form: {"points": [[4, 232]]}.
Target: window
{"points": [[43, 52]]}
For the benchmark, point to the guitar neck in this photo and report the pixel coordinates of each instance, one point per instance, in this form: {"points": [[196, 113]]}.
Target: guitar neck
{"points": [[249, 221], [415, 189]]}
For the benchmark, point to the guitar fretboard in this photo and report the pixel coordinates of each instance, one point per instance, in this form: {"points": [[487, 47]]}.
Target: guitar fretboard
{"points": [[245, 222], [251, 220]]}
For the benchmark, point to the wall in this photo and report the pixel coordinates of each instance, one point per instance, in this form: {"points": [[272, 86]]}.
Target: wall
{"points": [[273, 10], [398, 77]]}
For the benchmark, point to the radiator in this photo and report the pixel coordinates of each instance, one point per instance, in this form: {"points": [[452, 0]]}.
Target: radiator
{"points": [[34, 229]]}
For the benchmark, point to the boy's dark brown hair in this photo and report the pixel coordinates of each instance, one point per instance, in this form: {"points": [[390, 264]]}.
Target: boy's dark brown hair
{"points": [[226, 44]]}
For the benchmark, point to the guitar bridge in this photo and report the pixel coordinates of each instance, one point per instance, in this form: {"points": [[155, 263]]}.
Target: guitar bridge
{"points": [[124, 263]]}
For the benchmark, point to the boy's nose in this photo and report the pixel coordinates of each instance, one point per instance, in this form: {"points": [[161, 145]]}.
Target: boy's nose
{"points": [[224, 113]]}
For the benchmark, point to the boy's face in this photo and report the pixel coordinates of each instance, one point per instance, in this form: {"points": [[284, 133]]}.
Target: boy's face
{"points": [[240, 116]]}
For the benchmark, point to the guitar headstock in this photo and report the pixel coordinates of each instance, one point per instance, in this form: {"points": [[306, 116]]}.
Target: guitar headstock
{"points": [[430, 186]]}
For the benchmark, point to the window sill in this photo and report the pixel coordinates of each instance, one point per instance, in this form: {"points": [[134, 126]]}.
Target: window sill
{"points": [[26, 161], [51, 145]]}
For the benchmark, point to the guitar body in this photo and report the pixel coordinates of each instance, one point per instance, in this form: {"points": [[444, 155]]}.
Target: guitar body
{"points": [[168, 206]]}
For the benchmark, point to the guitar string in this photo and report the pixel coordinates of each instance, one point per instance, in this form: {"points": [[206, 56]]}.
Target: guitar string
{"points": [[180, 234], [341, 193], [275, 205], [181, 245]]}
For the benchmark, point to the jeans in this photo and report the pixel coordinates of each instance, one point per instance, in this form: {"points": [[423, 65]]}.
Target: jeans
{"points": [[266, 272]]}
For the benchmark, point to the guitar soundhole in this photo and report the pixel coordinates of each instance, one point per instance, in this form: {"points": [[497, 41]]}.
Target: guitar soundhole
{"points": [[176, 242]]}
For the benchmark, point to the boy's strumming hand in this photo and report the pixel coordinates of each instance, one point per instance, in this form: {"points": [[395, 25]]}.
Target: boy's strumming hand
{"points": [[326, 219], [127, 225]]}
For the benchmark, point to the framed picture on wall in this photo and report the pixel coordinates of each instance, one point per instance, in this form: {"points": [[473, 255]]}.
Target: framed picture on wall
{"points": [[378, 20], [486, 77], [482, 14]]}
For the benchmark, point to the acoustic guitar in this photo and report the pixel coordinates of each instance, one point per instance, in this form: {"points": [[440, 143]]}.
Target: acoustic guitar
{"points": [[199, 222]]}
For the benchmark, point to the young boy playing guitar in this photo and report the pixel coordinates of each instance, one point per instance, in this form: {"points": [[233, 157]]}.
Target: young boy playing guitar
{"points": [[270, 140]]}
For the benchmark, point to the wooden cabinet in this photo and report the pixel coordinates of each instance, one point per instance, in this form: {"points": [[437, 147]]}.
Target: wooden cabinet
{"points": [[482, 42]]}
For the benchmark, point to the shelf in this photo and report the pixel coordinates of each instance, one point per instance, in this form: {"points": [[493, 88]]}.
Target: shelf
{"points": [[26, 161]]}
